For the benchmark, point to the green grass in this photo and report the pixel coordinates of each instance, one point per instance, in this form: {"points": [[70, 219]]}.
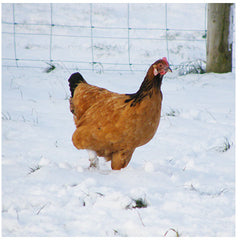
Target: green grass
{"points": [[137, 203], [225, 146], [172, 113], [34, 169], [50, 68]]}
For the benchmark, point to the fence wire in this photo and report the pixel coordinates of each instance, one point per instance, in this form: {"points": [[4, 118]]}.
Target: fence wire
{"points": [[97, 47]]}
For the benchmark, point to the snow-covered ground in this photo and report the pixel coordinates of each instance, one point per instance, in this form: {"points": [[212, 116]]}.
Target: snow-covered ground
{"points": [[184, 178]]}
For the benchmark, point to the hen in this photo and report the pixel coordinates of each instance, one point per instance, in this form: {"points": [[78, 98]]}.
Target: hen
{"points": [[113, 125]]}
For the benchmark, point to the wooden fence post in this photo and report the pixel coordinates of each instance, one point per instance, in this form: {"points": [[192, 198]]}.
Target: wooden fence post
{"points": [[219, 37]]}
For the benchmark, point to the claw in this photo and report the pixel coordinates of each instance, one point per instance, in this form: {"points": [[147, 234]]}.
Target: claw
{"points": [[94, 163]]}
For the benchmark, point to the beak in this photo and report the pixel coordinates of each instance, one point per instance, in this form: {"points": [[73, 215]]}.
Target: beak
{"points": [[169, 69]]}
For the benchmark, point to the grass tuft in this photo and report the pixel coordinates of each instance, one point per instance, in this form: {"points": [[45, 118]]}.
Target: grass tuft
{"points": [[172, 113], [34, 169], [6, 116], [137, 203], [225, 146], [196, 67], [116, 233], [50, 68], [173, 230]]}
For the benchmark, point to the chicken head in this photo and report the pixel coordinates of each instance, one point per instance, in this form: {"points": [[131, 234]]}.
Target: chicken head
{"points": [[161, 67]]}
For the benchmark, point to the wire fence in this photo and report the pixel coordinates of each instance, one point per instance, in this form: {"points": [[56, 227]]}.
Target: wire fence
{"points": [[104, 37]]}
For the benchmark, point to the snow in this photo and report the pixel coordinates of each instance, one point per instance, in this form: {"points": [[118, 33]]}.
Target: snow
{"points": [[185, 175]]}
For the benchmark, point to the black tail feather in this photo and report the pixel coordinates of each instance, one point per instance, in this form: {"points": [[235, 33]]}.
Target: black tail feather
{"points": [[74, 80]]}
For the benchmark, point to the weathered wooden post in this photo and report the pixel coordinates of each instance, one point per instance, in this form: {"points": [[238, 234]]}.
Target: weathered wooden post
{"points": [[219, 37]]}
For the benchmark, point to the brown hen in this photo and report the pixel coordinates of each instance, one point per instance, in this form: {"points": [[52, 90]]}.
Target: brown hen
{"points": [[113, 125]]}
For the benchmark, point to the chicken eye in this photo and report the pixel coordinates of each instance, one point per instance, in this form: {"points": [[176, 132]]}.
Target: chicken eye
{"points": [[160, 65]]}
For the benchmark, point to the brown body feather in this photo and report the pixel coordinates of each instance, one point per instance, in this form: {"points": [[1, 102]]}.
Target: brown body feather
{"points": [[113, 124]]}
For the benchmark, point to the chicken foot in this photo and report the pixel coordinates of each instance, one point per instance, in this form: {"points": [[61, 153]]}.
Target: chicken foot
{"points": [[94, 161]]}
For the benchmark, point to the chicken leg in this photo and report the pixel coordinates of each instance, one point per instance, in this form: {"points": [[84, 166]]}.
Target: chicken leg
{"points": [[94, 162], [121, 159]]}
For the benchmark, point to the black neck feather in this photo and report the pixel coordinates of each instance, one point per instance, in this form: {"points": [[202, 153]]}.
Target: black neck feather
{"points": [[146, 89]]}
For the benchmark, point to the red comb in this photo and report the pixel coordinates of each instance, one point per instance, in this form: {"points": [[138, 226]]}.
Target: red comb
{"points": [[165, 60]]}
